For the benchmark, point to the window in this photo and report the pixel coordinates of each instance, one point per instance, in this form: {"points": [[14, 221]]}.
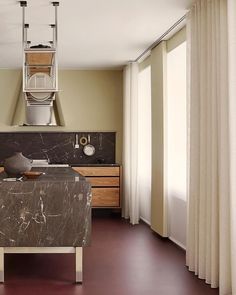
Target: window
{"points": [[144, 143]]}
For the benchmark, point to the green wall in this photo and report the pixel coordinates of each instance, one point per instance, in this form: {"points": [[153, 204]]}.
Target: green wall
{"points": [[91, 100], [157, 60]]}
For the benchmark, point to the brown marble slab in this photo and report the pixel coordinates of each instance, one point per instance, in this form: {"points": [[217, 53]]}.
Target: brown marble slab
{"points": [[59, 147], [53, 210]]}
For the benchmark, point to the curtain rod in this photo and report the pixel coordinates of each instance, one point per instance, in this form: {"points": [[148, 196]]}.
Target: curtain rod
{"points": [[158, 41]]}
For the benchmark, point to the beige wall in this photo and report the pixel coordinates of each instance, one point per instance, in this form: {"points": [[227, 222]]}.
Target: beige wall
{"points": [[91, 101], [159, 81], [176, 40], [145, 63]]}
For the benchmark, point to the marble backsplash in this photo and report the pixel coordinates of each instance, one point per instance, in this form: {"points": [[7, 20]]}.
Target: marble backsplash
{"points": [[58, 147]]}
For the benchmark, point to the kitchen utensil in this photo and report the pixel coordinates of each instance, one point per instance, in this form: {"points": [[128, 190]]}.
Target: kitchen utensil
{"points": [[13, 179], [89, 149], [76, 141], [83, 140], [40, 46], [40, 81], [17, 164], [100, 141], [40, 162], [32, 174]]}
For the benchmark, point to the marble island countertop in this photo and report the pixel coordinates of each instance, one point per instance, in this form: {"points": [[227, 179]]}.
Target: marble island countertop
{"points": [[52, 174], [53, 210]]}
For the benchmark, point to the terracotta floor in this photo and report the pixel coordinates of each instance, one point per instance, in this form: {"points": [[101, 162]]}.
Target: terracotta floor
{"points": [[123, 260]]}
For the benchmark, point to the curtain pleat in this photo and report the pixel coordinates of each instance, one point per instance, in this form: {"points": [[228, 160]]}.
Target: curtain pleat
{"points": [[232, 127], [211, 246], [130, 208]]}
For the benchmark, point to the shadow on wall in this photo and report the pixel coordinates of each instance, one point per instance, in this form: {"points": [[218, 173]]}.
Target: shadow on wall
{"points": [[13, 105], [177, 218]]}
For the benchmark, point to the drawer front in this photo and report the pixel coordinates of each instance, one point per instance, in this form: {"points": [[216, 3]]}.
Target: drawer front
{"points": [[104, 181], [98, 171], [105, 197]]}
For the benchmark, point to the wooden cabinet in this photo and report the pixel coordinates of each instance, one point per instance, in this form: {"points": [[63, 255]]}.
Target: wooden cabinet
{"points": [[106, 185], [98, 171]]}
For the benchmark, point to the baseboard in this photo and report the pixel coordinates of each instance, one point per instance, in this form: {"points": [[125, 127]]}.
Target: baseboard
{"points": [[177, 243], [145, 221]]}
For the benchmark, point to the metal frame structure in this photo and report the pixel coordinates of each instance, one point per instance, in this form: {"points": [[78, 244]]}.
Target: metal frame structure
{"points": [[33, 51], [40, 72], [45, 250]]}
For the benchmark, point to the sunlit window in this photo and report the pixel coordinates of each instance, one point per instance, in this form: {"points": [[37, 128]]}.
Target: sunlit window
{"points": [[144, 143]]}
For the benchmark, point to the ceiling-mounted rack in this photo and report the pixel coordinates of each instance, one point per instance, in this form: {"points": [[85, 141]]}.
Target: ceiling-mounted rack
{"points": [[39, 58], [54, 26], [40, 70]]}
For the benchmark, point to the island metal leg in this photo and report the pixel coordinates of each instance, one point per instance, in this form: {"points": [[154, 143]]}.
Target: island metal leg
{"points": [[78, 256], [79, 264], [1, 265]]}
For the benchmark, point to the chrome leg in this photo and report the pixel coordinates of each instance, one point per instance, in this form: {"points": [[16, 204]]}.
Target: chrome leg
{"points": [[1, 265], [79, 264]]}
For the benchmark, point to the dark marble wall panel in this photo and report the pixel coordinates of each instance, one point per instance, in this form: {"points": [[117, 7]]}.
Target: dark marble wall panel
{"points": [[58, 147]]}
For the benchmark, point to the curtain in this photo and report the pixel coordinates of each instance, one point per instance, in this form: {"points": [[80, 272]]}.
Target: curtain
{"points": [[232, 120], [212, 143], [130, 204], [144, 143]]}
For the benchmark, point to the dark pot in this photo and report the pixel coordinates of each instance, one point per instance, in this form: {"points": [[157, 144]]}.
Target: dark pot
{"points": [[17, 164]]}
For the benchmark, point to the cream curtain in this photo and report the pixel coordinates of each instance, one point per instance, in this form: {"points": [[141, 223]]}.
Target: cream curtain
{"points": [[232, 120], [130, 144], [212, 143]]}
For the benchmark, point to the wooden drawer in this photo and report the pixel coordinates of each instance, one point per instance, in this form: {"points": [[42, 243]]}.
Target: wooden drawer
{"points": [[105, 197], [98, 171], [104, 181]]}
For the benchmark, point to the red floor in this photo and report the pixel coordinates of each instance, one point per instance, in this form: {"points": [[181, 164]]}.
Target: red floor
{"points": [[123, 260]]}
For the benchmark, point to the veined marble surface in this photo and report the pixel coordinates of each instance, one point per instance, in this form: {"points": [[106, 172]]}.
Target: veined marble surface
{"points": [[59, 147], [53, 210]]}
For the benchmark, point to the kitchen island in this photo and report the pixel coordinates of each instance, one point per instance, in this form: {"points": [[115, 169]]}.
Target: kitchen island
{"points": [[49, 214]]}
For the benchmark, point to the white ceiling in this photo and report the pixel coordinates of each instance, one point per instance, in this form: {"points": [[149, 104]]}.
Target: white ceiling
{"points": [[92, 33]]}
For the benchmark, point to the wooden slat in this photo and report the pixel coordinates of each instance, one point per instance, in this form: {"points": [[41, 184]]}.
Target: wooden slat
{"points": [[121, 185], [34, 58], [105, 197], [35, 70], [104, 181], [98, 171]]}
